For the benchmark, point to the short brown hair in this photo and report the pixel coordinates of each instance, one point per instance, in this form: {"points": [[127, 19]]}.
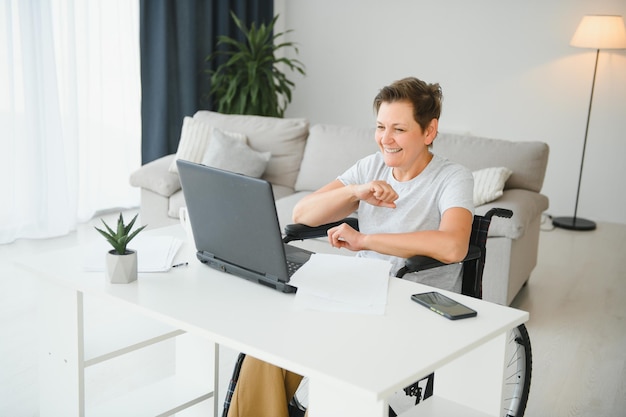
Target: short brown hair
{"points": [[425, 98]]}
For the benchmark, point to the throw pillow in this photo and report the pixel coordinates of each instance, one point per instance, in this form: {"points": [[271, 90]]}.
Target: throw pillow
{"points": [[283, 137], [231, 155], [194, 139], [489, 184]]}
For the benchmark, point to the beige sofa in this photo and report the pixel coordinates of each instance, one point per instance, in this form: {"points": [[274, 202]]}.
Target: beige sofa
{"points": [[303, 158]]}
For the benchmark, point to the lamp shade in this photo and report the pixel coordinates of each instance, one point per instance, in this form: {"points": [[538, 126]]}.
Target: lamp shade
{"points": [[600, 32]]}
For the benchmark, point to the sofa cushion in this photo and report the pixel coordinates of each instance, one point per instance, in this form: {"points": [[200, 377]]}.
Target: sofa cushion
{"points": [[329, 151], [283, 138], [155, 177], [489, 184], [235, 156], [176, 201], [195, 137], [527, 160]]}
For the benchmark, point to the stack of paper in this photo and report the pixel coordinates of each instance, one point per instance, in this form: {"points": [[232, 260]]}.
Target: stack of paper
{"points": [[154, 253], [342, 283]]}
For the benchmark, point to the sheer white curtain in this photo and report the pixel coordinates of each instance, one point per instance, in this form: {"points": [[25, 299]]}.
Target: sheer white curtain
{"points": [[69, 112]]}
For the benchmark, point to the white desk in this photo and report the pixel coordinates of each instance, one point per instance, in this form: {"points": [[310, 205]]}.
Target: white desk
{"points": [[354, 362]]}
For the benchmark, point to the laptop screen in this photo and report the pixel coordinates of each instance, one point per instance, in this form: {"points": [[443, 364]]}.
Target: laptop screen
{"points": [[233, 218]]}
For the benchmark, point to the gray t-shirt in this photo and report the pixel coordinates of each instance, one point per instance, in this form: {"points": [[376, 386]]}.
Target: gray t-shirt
{"points": [[421, 203]]}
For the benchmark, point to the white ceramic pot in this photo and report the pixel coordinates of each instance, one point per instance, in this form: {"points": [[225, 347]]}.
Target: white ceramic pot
{"points": [[121, 269]]}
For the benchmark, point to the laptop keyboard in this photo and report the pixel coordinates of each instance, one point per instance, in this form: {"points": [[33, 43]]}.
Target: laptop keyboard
{"points": [[292, 267]]}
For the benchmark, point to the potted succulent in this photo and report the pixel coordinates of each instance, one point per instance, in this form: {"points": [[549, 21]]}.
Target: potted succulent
{"points": [[250, 81], [121, 263]]}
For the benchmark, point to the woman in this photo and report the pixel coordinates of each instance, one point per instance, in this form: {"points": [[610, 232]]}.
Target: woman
{"points": [[409, 202]]}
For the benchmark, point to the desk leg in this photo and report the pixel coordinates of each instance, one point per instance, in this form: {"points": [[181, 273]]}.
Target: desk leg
{"points": [[327, 400], [216, 381], [197, 359], [475, 379], [61, 352]]}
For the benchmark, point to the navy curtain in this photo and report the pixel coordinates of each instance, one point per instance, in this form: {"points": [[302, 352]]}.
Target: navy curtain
{"points": [[175, 38]]}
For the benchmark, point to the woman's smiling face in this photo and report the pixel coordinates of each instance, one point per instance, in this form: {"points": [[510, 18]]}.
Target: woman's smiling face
{"points": [[401, 140]]}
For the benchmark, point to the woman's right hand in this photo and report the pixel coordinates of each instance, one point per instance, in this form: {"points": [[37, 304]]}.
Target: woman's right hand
{"points": [[377, 193]]}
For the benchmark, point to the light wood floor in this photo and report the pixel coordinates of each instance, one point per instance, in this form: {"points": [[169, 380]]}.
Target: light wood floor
{"points": [[577, 303], [576, 298]]}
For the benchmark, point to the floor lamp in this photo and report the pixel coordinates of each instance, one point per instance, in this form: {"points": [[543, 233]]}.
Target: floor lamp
{"points": [[596, 32]]}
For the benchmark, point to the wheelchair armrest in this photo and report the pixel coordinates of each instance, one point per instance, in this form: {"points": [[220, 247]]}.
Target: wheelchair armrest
{"points": [[499, 212], [421, 263], [301, 232]]}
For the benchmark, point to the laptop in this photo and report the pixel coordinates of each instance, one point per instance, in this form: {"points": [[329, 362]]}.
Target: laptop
{"points": [[235, 226]]}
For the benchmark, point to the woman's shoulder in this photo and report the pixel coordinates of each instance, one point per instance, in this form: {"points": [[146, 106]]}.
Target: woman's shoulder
{"points": [[364, 170], [444, 164], [371, 162]]}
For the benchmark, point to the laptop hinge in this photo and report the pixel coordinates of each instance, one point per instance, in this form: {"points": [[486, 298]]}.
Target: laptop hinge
{"points": [[265, 279], [272, 277], [205, 257]]}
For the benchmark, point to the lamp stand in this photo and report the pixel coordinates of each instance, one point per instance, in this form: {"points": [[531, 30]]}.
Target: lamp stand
{"points": [[577, 223]]}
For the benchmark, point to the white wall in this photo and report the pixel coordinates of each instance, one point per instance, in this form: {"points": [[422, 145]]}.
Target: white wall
{"points": [[506, 69]]}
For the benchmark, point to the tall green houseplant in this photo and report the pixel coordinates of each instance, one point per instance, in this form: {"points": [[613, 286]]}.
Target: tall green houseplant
{"points": [[250, 81]]}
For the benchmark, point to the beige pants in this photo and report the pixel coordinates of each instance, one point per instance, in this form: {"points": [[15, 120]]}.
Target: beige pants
{"points": [[263, 390]]}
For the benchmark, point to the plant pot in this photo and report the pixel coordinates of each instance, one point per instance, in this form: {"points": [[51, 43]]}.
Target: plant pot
{"points": [[121, 269]]}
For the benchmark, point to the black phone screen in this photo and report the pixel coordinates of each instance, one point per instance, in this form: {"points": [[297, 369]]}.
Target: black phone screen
{"points": [[443, 305]]}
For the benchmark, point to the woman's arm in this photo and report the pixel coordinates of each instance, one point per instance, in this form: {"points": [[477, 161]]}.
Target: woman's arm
{"points": [[335, 201], [448, 244]]}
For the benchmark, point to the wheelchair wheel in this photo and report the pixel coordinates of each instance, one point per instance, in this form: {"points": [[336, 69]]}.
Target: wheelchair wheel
{"points": [[518, 372]]}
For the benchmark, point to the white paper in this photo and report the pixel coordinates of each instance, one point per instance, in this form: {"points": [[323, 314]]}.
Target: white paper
{"points": [[342, 283], [154, 253]]}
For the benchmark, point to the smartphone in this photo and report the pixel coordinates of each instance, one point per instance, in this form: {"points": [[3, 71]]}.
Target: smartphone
{"points": [[443, 305]]}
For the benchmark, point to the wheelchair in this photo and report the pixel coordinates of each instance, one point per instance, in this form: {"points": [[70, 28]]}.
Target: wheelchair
{"points": [[518, 352]]}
